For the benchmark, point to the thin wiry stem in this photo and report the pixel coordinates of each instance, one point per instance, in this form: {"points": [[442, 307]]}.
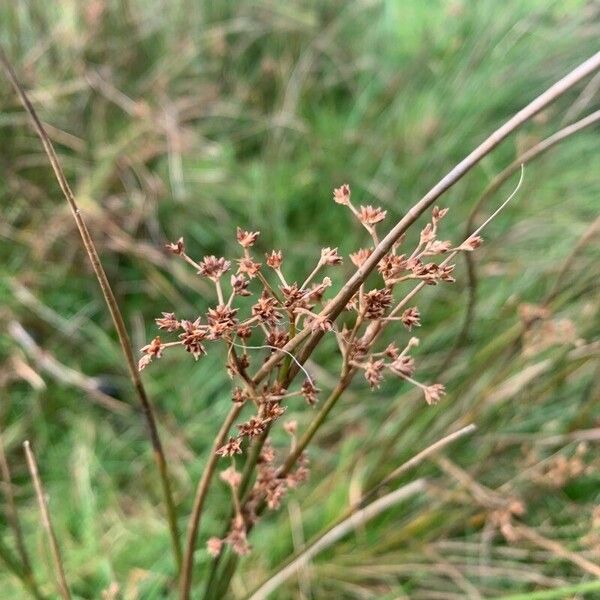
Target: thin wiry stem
{"points": [[199, 499], [111, 303], [527, 157], [22, 571], [337, 304], [61, 580]]}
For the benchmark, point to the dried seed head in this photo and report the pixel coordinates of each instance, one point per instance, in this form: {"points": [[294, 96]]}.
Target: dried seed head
{"points": [[239, 396], [370, 216], [373, 372], [213, 267], [427, 234], [237, 538], [403, 366], [244, 332], [291, 427], [239, 285], [309, 391], [152, 350], [231, 447], [437, 214], [376, 303], [360, 256], [252, 428], [411, 318], [168, 322], [471, 244], [266, 309], [341, 195], [246, 239], [392, 351], [277, 338], [438, 247], [433, 393], [330, 256], [274, 259], [221, 321], [176, 248], [248, 266], [392, 267]]}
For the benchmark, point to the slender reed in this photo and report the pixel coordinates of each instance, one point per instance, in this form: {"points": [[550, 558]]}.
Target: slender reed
{"points": [[61, 580], [111, 303]]}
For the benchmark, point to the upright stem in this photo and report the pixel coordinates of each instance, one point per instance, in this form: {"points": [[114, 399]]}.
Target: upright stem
{"points": [[111, 303], [61, 580], [185, 582]]}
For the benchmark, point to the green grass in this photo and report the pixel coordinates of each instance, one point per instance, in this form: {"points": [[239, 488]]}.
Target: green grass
{"points": [[278, 103]]}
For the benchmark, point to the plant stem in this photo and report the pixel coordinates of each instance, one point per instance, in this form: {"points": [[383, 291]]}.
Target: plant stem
{"points": [[61, 580], [199, 499], [111, 303]]}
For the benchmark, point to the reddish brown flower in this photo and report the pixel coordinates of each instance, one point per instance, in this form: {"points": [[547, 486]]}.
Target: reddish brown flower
{"points": [[252, 428], [291, 427], [341, 195], [231, 477], [237, 538], [433, 392], [153, 350], [294, 297], [437, 214], [277, 338], [176, 248], [271, 411], [231, 447], [221, 320], [376, 303], [266, 309], [213, 267], [471, 244], [411, 318], [359, 257], [274, 259], [246, 238], [309, 391], [392, 351], [373, 372], [403, 366], [192, 337], [239, 285], [248, 266], [167, 321], [392, 267], [239, 396], [370, 216], [330, 256], [214, 546], [244, 332]]}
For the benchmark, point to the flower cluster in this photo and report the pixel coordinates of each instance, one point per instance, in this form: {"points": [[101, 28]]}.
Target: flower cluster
{"points": [[281, 309]]}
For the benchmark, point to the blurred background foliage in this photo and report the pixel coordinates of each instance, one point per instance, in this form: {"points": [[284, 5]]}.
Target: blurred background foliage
{"points": [[190, 118]]}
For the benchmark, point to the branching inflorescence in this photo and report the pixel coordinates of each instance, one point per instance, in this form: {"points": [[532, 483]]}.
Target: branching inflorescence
{"points": [[283, 308]]}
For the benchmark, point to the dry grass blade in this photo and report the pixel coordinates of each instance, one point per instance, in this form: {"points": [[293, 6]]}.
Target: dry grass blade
{"points": [[111, 303], [61, 580], [354, 515], [336, 533]]}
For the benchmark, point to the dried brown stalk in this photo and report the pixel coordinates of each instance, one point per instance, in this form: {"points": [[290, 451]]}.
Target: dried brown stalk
{"points": [[61, 580], [111, 303]]}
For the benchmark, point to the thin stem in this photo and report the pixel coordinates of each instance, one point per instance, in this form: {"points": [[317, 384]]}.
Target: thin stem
{"points": [[61, 580], [111, 303], [12, 516], [185, 582]]}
